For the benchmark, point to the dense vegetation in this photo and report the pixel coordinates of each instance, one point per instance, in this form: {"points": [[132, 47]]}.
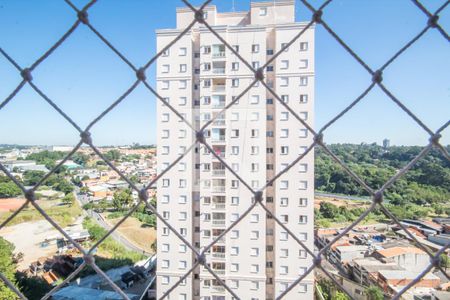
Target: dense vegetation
{"points": [[110, 254]]}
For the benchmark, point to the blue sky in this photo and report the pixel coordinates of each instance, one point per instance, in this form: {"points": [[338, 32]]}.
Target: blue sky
{"points": [[83, 76]]}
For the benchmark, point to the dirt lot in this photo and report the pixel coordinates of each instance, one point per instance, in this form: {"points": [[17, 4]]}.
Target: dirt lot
{"points": [[340, 202], [132, 230], [27, 238], [10, 204]]}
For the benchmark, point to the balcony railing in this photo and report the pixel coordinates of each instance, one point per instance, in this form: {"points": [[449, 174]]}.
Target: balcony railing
{"points": [[219, 206], [218, 172], [218, 54], [218, 222], [218, 288], [219, 272], [218, 255], [218, 189], [219, 122], [219, 105], [218, 88], [218, 140], [218, 70]]}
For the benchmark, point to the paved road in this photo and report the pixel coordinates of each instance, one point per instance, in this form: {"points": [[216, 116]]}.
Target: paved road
{"points": [[83, 199]]}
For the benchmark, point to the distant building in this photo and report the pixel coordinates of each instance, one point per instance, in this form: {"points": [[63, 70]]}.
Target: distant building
{"points": [[386, 143]]}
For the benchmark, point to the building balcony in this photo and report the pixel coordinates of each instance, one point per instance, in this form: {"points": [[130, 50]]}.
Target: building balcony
{"points": [[220, 172], [219, 271], [218, 88], [219, 54], [219, 122], [218, 288], [219, 105], [218, 255], [219, 206], [218, 139], [218, 71], [220, 222], [218, 189]]}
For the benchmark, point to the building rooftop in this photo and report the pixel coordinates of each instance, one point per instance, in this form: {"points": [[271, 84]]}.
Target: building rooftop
{"points": [[405, 274], [396, 251]]}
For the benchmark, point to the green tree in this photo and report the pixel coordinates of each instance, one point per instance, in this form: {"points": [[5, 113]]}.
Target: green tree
{"points": [[122, 199], [9, 189], [444, 261], [32, 177], [112, 155], [68, 199], [328, 210], [374, 293], [7, 268], [340, 296]]}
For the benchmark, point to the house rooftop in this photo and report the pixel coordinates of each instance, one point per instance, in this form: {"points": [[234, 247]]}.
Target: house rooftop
{"points": [[396, 251]]}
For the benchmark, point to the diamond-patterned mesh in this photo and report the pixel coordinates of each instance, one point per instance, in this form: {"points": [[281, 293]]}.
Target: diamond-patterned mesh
{"points": [[85, 138]]}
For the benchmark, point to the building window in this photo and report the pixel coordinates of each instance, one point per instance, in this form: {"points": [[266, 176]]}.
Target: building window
{"points": [[234, 251], [302, 219], [284, 270], [206, 49], [284, 201], [284, 64], [255, 64], [284, 150], [183, 84], [302, 168], [284, 133], [206, 67], [165, 264], [269, 68], [166, 183], [254, 268], [182, 51], [303, 115], [302, 202], [303, 133], [284, 116], [254, 116], [165, 85], [302, 254], [303, 185], [303, 81], [234, 284], [165, 279], [303, 98], [254, 133], [235, 133], [302, 236], [269, 101], [303, 46], [234, 66], [284, 218], [234, 200], [234, 267], [165, 69], [166, 52], [254, 99], [182, 264], [255, 48], [284, 252], [284, 184], [235, 82], [254, 218], [303, 63], [236, 48], [263, 11], [206, 83], [284, 81], [284, 45], [269, 51], [302, 288], [234, 234]]}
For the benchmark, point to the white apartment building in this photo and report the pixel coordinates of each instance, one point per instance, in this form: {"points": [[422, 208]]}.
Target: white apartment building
{"points": [[257, 137]]}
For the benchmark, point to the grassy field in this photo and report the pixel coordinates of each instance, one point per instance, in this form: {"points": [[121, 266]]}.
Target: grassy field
{"points": [[62, 214], [135, 232]]}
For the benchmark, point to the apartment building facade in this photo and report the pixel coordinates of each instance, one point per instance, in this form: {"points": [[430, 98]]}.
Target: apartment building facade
{"points": [[258, 137]]}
